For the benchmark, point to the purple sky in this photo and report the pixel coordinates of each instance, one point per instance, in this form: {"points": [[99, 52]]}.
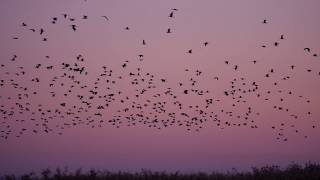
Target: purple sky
{"points": [[235, 33]]}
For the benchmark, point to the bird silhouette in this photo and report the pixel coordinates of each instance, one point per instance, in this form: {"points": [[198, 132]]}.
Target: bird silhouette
{"points": [[105, 17], [74, 27], [171, 15]]}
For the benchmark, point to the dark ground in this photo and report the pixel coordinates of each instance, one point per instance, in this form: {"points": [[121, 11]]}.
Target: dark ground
{"points": [[292, 172]]}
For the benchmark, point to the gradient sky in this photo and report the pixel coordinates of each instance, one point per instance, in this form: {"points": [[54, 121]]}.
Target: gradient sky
{"points": [[235, 33]]}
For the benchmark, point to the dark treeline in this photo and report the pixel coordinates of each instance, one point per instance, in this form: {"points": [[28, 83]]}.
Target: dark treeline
{"points": [[310, 171]]}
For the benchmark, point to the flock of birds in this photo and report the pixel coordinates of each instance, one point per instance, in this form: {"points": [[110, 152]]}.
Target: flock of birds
{"points": [[73, 99]]}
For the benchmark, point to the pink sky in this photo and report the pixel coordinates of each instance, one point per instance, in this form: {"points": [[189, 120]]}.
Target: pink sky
{"points": [[235, 33]]}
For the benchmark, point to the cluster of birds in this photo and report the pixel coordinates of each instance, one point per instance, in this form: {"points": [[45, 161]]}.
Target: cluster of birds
{"points": [[73, 99]]}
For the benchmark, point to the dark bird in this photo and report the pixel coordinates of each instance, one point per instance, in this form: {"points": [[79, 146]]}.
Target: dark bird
{"points": [[33, 30], [282, 36], [190, 51], [65, 15], [264, 21], [84, 17], [105, 17], [41, 31], [127, 28], [174, 9], [169, 30], [74, 27], [24, 24], [236, 67], [143, 42], [206, 43], [276, 44], [171, 15], [307, 49]]}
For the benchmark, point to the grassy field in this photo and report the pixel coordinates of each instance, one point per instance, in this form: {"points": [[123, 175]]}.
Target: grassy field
{"points": [[292, 172]]}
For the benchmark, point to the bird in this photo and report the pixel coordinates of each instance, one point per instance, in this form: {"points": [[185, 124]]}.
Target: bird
{"points": [[143, 42], [282, 36], [264, 21], [189, 51], [206, 43], [236, 67], [105, 17], [169, 30], [127, 28], [74, 27], [307, 49], [41, 31], [171, 15]]}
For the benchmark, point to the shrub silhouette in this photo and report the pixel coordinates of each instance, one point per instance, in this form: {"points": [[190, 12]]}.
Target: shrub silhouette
{"points": [[310, 171]]}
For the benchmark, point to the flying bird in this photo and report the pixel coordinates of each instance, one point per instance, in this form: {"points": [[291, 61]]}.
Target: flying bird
{"points": [[171, 15], [41, 31], [105, 17], [74, 27], [307, 49]]}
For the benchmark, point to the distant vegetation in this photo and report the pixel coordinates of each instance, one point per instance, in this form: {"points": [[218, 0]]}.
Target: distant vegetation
{"points": [[292, 172]]}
